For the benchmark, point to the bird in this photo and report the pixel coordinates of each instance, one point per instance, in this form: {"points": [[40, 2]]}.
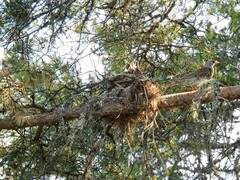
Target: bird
{"points": [[133, 67], [203, 73]]}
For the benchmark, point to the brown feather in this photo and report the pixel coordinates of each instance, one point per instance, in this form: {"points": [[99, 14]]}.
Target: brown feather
{"points": [[205, 72], [201, 73]]}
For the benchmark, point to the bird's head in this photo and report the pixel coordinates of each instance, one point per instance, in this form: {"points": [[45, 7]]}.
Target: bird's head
{"points": [[210, 63]]}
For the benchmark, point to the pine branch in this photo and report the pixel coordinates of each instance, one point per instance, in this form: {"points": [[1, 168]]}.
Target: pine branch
{"points": [[114, 109]]}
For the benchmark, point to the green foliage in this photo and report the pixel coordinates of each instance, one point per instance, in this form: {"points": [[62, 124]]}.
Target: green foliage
{"points": [[45, 43]]}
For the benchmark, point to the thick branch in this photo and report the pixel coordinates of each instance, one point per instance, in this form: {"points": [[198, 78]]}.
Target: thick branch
{"points": [[159, 102], [43, 119], [185, 98]]}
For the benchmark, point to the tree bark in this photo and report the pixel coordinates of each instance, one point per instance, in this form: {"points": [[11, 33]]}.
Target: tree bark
{"points": [[158, 102]]}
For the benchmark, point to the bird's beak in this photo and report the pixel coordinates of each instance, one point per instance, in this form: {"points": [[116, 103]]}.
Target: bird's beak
{"points": [[217, 62]]}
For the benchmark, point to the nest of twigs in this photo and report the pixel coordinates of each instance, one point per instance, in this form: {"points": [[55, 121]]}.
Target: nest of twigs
{"points": [[124, 100]]}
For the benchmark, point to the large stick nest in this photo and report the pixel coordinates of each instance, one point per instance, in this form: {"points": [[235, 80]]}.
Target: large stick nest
{"points": [[129, 94]]}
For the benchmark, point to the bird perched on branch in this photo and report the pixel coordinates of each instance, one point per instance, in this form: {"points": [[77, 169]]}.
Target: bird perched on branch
{"points": [[205, 72], [196, 78]]}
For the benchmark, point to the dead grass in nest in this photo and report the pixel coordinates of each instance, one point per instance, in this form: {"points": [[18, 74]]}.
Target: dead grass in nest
{"points": [[130, 92]]}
